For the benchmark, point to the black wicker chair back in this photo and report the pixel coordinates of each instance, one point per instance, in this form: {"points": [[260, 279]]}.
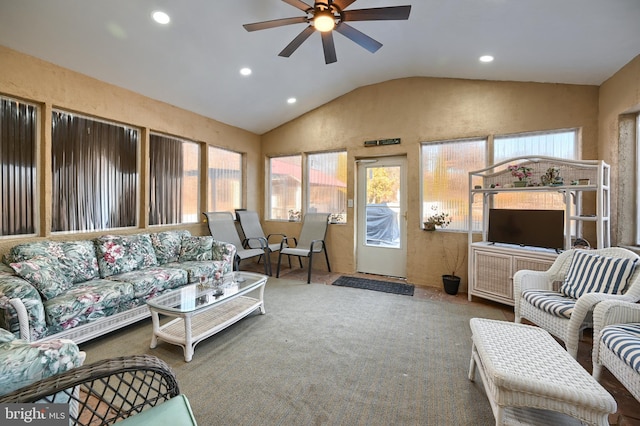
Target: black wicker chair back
{"points": [[106, 391]]}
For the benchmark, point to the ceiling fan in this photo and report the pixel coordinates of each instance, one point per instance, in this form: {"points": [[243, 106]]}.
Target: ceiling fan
{"points": [[325, 16]]}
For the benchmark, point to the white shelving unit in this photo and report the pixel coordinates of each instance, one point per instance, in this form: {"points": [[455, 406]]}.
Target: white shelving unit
{"points": [[491, 266]]}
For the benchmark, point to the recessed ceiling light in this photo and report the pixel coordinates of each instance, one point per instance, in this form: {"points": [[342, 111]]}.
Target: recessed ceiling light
{"points": [[292, 100], [160, 17], [245, 71], [486, 58]]}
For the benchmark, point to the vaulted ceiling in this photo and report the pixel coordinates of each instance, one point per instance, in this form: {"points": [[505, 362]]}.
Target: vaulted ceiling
{"points": [[194, 61]]}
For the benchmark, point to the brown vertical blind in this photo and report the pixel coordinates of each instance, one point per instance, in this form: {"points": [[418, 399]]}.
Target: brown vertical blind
{"points": [[166, 171], [18, 129], [94, 168]]}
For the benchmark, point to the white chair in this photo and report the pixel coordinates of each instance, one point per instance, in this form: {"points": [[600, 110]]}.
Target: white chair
{"points": [[538, 300], [616, 343], [223, 228], [256, 238], [312, 240]]}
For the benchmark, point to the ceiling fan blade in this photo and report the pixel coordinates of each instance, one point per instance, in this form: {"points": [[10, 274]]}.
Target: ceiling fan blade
{"points": [[296, 42], [329, 48], [378, 14], [343, 4], [275, 23], [299, 4], [359, 37]]}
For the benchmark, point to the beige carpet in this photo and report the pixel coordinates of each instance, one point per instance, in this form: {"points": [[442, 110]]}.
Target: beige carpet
{"points": [[327, 355]]}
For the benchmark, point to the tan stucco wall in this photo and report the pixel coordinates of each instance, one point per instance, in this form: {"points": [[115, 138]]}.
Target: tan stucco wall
{"points": [[619, 98], [51, 86], [427, 109], [414, 109]]}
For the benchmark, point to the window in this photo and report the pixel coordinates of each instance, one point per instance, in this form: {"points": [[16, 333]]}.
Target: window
{"points": [[18, 129], [224, 180], [94, 168], [561, 144], [174, 173], [637, 184], [327, 184], [446, 166], [445, 177], [285, 190]]}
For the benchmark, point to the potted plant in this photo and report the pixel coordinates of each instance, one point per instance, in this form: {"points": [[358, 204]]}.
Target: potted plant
{"points": [[437, 219], [453, 261]]}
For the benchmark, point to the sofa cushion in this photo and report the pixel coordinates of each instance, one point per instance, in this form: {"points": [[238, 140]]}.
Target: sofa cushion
{"points": [[86, 302], [167, 245], [196, 248], [151, 281], [592, 273], [624, 341], [118, 254], [195, 269], [5, 269], [175, 411], [550, 301], [77, 259], [45, 274]]}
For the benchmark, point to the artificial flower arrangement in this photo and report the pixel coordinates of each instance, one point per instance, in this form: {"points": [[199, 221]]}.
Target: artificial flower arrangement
{"points": [[523, 173], [437, 219]]}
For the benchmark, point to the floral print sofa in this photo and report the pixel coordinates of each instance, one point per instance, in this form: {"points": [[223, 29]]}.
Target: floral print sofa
{"points": [[22, 362], [83, 289]]}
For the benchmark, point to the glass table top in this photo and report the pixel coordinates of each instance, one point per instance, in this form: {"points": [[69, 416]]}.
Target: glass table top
{"points": [[193, 297]]}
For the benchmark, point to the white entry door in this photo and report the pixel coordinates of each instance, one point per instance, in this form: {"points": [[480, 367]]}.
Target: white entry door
{"points": [[382, 220]]}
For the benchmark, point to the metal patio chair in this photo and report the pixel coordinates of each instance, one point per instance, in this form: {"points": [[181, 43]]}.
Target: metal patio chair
{"points": [[223, 228], [311, 240]]}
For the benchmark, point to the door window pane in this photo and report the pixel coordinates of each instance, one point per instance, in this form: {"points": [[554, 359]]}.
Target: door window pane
{"points": [[18, 130], [383, 206], [224, 180], [285, 189], [327, 182]]}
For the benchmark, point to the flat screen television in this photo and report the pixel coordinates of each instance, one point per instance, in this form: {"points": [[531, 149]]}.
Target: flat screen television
{"points": [[535, 228]]}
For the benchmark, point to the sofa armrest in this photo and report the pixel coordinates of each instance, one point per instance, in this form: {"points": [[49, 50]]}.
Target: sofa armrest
{"points": [[614, 311], [226, 252], [23, 363], [30, 323]]}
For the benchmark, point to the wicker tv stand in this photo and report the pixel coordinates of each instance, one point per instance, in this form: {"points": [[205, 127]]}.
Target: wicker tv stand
{"points": [[200, 312]]}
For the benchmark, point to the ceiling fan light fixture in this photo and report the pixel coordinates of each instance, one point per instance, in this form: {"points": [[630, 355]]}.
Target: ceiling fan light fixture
{"points": [[324, 21]]}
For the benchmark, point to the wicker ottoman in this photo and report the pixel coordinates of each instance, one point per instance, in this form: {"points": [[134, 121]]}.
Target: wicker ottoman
{"points": [[530, 379]]}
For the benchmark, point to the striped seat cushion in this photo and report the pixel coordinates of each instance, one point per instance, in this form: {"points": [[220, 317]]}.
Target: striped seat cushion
{"points": [[592, 273], [550, 301], [624, 341]]}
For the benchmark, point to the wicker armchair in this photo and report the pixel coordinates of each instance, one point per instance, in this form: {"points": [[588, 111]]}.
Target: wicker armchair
{"points": [[568, 329], [106, 391], [615, 329]]}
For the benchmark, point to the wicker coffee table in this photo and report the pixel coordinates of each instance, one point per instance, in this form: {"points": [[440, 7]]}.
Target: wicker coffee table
{"points": [[201, 311], [530, 379]]}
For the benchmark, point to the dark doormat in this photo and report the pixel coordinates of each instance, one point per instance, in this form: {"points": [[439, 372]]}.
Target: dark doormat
{"points": [[367, 284]]}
